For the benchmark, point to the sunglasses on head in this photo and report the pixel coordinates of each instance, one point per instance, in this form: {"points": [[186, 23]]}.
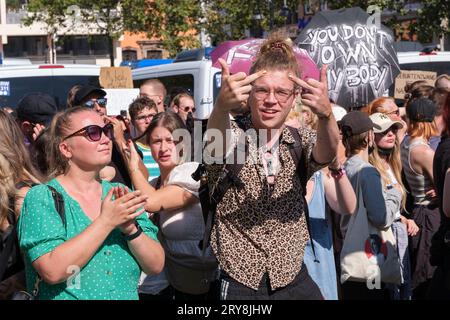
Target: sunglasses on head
{"points": [[91, 103], [94, 132]]}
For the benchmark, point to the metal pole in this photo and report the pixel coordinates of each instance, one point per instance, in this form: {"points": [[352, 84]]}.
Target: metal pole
{"points": [[271, 14]]}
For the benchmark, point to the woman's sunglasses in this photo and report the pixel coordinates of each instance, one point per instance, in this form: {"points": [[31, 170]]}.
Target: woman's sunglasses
{"points": [[94, 132], [91, 103]]}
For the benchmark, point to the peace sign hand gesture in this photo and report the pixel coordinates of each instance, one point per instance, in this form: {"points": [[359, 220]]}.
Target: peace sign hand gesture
{"points": [[315, 93], [235, 88]]}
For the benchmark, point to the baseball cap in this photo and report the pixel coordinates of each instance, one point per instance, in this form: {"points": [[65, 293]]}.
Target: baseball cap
{"points": [[85, 91], [421, 110], [382, 122], [338, 112], [356, 122], [37, 108]]}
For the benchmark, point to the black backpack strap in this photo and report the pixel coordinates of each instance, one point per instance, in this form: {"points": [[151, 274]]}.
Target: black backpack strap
{"points": [[10, 238], [209, 202], [296, 151], [59, 204]]}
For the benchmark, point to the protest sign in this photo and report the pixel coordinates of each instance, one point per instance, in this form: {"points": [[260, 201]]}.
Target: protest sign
{"points": [[409, 76], [120, 99], [362, 62], [116, 77]]}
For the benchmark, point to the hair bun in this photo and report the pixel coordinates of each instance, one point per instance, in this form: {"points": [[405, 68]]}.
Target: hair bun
{"points": [[278, 45]]}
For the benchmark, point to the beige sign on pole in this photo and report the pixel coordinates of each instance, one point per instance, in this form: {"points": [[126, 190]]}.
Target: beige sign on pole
{"points": [[409, 76], [116, 78]]}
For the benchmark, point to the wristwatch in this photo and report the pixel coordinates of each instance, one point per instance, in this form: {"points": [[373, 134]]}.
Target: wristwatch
{"points": [[133, 235], [337, 173]]}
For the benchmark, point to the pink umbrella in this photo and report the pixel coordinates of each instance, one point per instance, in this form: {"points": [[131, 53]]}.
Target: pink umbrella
{"points": [[241, 54]]}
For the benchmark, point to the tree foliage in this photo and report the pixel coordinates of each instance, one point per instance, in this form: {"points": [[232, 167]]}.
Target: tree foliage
{"points": [[431, 20], [176, 22], [229, 20], [51, 13], [430, 17]]}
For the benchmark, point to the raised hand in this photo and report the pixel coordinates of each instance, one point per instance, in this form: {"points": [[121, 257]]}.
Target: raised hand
{"points": [[132, 158], [37, 130], [235, 88], [315, 93], [119, 128]]}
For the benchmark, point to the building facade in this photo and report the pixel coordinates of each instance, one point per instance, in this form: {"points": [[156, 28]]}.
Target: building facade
{"points": [[78, 44]]}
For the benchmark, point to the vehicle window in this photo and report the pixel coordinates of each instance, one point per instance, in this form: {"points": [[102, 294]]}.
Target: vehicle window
{"points": [[57, 86], [185, 81], [440, 67]]}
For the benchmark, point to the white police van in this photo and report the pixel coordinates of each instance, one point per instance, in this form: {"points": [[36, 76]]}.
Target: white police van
{"points": [[191, 70], [56, 80], [438, 62]]}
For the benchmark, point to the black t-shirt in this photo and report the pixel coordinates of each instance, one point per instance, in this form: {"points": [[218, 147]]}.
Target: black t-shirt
{"points": [[117, 162], [441, 163]]}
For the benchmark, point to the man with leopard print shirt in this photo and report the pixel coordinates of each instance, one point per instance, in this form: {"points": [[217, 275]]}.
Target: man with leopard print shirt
{"points": [[260, 229]]}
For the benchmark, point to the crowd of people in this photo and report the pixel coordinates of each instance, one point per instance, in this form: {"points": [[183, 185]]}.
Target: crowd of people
{"points": [[295, 197]]}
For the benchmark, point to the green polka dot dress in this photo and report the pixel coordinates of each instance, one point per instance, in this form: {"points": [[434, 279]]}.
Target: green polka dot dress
{"points": [[111, 274]]}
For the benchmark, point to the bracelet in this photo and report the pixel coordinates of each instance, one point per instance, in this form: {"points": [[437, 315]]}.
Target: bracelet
{"points": [[328, 116], [337, 173], [134, 170], [134, 235]]}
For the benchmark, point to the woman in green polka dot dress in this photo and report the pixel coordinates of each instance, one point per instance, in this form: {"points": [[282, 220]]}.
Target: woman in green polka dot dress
{"points": [[107, 237]]}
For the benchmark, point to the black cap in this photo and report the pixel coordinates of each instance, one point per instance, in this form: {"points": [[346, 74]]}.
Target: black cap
{"points": [[355, 122], [84, 91], [37, 108], [421, 110]]}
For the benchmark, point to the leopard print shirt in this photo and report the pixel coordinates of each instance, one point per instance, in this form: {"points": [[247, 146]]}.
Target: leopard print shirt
{"points": [[257, 230]]}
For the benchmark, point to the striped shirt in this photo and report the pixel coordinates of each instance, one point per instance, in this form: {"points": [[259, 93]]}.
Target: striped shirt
{"points": [[149, 161]]}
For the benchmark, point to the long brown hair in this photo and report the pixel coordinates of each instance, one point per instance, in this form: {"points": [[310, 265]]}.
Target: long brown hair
{"points": [[15, 162]]}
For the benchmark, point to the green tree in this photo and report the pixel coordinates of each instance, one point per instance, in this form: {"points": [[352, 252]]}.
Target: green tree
{"points": [[433, 20], [52, 14], [110, 17], [230, 20], [176, 23], [393, 5]]}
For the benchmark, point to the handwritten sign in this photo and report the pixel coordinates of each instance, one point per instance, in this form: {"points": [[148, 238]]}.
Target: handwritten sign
{"points": [[410, 76], [120, 99], [361, 60], [116, 77]]}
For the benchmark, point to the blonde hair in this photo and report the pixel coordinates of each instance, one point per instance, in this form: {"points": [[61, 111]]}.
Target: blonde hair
{"points": [[313, 121], [15, 162], [395, 164], [296, 111]]}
